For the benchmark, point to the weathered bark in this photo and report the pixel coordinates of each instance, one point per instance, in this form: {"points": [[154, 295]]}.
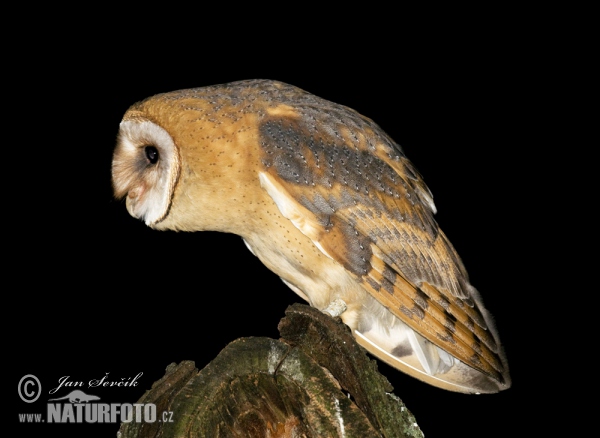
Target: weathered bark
{"points": [[316, 381]]}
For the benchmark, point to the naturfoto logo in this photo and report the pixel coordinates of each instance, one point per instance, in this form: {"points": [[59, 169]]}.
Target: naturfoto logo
{"points": [[78, 406]]}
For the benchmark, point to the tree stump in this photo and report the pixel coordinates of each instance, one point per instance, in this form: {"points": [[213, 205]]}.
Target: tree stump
{"points": [[315, 381]]}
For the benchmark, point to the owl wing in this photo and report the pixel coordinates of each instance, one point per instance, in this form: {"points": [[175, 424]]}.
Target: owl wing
{"points": [[349, 188]]}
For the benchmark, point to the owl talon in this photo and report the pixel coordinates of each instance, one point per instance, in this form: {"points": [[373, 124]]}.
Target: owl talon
{"points": [[336, 308]]}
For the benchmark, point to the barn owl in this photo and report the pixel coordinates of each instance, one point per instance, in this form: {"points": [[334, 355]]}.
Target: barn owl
{"points": [[328, 202]]}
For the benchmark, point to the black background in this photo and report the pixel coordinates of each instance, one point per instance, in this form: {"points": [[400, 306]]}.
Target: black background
{"points": [[94, 291]]}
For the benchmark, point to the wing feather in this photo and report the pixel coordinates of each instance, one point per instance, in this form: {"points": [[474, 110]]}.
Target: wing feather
{"points": [[348, 187]]}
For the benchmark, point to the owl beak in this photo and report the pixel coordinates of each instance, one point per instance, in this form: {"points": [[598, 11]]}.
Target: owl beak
{"points": [[130, 204], [133, 203]]}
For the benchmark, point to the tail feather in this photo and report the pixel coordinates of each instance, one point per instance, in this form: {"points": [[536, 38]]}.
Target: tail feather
{"points": [[401, 347]]}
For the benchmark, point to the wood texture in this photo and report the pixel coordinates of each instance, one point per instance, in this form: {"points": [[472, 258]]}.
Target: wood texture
{"points": [[315, 381]]}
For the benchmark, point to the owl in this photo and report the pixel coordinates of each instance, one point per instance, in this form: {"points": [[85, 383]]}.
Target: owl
{"points": [[329, 203]]}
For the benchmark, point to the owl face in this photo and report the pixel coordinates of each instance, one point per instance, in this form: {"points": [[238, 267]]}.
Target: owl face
{"points": [[328, 202], [145, 169]]}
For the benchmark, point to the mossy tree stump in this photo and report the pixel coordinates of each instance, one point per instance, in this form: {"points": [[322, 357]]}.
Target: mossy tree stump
{"points": [[315, 381]]}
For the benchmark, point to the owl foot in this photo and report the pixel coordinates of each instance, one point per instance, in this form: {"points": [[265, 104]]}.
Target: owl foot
{"points": [[336, 308]]}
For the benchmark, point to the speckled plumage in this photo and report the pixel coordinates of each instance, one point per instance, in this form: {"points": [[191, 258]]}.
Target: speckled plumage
{"points": [[328, 202]]}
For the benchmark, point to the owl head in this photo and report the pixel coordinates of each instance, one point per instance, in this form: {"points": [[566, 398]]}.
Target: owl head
{"points": [[145, 168], [184, 159]]}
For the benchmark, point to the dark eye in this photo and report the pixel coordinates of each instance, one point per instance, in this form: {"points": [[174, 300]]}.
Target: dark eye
{"points": [[151, 154]]}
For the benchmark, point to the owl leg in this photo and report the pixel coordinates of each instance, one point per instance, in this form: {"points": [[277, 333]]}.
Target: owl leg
{"points": [[336, 308]]}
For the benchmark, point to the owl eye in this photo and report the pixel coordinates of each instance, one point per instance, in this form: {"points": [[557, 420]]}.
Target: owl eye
{"points": [[151, 154]]}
